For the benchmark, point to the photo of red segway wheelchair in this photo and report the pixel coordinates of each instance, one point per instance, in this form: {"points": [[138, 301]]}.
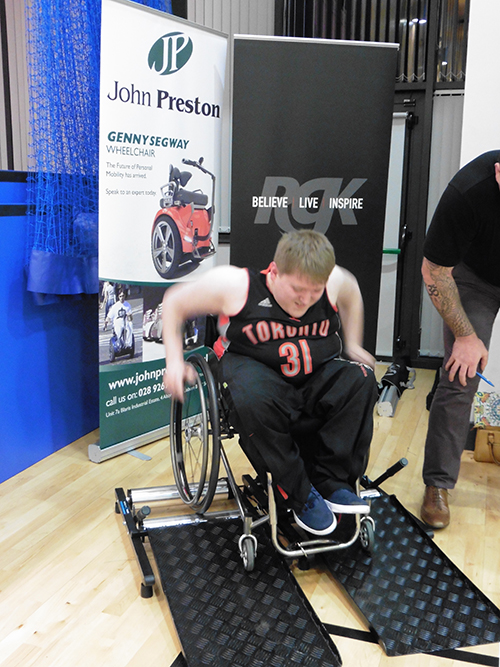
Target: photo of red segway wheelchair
{"points": [[182, 229]]}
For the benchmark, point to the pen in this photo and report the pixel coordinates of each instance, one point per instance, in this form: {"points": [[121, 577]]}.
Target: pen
{"points": [[486, 380]]}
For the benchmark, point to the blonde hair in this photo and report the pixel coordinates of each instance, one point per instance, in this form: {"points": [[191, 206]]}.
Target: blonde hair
{"points": [[307, 253]]}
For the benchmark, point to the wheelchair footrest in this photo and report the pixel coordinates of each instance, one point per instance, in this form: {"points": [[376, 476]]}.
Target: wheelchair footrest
{"points": [[227, 616]]}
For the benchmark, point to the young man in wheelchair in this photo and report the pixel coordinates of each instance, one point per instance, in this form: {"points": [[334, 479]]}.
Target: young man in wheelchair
{"points": [[300, 395]]}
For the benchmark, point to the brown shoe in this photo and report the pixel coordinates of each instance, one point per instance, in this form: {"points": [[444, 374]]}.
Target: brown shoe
{"points": [[434, 510]]}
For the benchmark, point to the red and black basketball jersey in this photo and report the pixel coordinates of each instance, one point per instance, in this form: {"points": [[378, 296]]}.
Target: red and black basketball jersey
{"points": [[293, 347]]}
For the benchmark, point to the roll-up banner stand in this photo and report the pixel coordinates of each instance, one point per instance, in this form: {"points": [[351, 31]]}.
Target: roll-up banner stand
{"points": [[162, 82], [310, 150]]}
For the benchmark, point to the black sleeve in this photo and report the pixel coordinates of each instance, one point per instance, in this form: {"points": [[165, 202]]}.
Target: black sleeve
{"points": [[451, 231]]}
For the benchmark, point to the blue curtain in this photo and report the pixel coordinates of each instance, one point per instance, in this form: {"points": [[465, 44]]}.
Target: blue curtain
{"points": [[63, 49]]}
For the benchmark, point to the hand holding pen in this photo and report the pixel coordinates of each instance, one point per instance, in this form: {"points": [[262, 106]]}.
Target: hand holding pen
{"points": [[485, 379]]}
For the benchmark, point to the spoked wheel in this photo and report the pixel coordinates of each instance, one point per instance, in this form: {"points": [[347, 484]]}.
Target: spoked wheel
{"points": [[195, 438], [367, 533], [166, 247]]}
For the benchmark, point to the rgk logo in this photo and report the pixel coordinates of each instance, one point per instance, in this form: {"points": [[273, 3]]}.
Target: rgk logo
{"points": [[169, 53], [312, 203]]}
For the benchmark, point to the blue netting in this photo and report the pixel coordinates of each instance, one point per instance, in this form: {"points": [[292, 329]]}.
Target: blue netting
{"points": [[63, 47]]}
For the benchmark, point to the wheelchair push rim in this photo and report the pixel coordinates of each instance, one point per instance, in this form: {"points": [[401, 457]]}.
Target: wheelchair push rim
{"points": [[195, 438]]}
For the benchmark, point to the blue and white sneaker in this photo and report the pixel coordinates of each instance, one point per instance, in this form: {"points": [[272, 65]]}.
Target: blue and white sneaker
{"points": [[343, 501], [315, 517]]}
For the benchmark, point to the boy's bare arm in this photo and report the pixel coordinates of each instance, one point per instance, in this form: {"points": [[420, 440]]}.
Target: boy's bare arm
{"points": [[220, 291]]}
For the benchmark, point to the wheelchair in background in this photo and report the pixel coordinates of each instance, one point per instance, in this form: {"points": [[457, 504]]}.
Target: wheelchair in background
{"points": [[198, 427]]}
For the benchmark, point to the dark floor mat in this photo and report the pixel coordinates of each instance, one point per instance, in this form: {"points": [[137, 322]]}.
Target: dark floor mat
{"points": [[412, 596], [226, 616]]}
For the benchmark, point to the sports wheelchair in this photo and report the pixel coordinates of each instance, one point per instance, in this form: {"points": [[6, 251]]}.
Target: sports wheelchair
{"points": [[198, 427]]}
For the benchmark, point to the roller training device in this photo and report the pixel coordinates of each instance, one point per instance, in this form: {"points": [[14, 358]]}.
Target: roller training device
{"points": [[226, 575]]}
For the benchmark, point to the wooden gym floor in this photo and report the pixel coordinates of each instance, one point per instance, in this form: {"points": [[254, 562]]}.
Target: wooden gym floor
{"points": [[69, 583]]}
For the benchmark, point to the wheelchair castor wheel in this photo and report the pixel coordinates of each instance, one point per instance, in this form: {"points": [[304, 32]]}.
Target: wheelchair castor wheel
{"points": [[367, 533], [248, 551]]}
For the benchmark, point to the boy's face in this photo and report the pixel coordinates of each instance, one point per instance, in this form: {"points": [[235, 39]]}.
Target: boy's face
{"points": [[497, 172], [294, 292]]}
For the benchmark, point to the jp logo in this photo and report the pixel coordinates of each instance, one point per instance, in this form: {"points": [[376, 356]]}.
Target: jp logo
{"points": [[312, 203], [169, 53]]}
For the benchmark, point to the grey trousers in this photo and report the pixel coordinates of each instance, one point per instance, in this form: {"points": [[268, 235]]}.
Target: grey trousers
{"points": [[449, 419]]}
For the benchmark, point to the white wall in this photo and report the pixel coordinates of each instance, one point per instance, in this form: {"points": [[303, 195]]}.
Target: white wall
{"points": [[246, 17], [481, 123], [447, 112]]}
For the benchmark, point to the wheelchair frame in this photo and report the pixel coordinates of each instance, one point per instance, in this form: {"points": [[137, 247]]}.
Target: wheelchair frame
{"points": [[196, 435], [198, 426]]}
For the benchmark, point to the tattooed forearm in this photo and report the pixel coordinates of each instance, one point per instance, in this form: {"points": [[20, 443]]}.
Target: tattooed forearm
{"points": [[443, 292]]}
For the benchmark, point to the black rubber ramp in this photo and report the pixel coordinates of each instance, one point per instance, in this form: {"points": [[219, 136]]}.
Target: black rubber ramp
{"points": [[227, 616], [413, 597]]}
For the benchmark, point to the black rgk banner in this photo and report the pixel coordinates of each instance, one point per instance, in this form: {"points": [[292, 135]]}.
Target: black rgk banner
{"points": [[311, 139]]}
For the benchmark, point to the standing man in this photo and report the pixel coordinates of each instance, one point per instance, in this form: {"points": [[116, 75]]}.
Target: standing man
{"points": [[300, 396], [121, 316], [108, 299], [461, 271]]}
